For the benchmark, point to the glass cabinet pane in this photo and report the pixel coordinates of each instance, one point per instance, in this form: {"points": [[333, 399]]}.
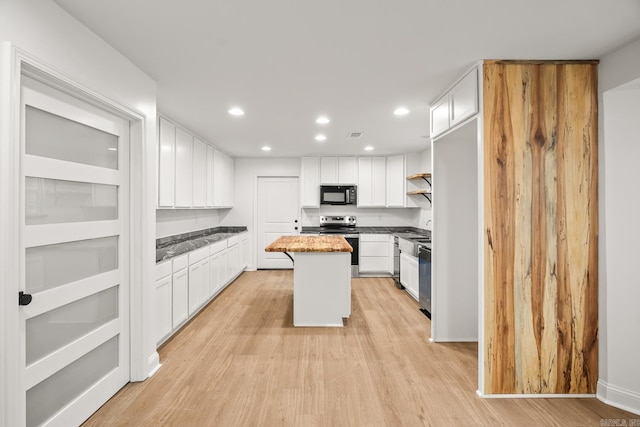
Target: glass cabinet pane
{"points": [[55, 137], [51, 266], [52, 201]]}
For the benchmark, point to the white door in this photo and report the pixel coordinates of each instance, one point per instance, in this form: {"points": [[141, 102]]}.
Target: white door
{"points": [[278, 212], [74, 334]]}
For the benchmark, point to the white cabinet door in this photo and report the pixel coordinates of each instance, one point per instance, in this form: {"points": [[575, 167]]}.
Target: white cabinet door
{"points": [[210, 175], [374, 253], [184, 163], [180, 305], [310, 175], [372, 181], [463, 101], [229, 178], [163, 308], [365, 185], [244, 251], [222, 269], [378, 181], [347, 170], [409, 274], [198, 284], [218, 178], [440, 116], [329, 170], [395, 181], [199, 173], [166, 163]]}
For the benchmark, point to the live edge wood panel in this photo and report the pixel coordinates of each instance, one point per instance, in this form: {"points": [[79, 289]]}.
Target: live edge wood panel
{"points": [[541, 202]]}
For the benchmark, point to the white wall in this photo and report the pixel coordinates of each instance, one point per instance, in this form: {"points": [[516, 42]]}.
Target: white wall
{"points": [[177, 221], [619, 229], [45, 32], [367, 217]]}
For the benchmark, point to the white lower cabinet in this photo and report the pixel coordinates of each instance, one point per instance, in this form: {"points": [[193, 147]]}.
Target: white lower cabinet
{"points": [[187, 282], [163, 326], [180, 292], [409, 274], [374, 253]]}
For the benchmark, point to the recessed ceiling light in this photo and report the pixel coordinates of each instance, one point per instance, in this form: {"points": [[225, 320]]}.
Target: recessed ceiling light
{"points": [[322, 120], [401, 111], [236, 111], [368, 148], [112, 149], [320, 137], [266, 148]]}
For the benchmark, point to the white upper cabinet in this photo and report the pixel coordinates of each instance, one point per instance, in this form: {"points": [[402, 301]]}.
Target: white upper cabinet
{"points": [[396, 181], [372, 181], [338, 170], [166, 163], [347, 170], [456, 106], [184, 161], [191, 173], [310, 177], [210, 175], [199, 173]]}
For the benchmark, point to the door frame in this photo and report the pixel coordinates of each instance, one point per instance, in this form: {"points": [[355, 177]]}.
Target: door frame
{"points": [[254, 232], [13, 63]]}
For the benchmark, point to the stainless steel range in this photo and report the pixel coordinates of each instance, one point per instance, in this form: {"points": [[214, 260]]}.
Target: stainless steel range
{"points": [[345, 226]]}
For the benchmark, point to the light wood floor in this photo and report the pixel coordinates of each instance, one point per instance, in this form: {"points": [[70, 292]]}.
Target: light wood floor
{"points": [[241, 363]]}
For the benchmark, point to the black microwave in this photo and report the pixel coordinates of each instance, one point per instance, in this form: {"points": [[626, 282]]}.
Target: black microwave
{"points": [[338, 195]]}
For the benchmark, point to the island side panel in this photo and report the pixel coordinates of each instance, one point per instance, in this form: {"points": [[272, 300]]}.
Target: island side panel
{"points": [[321, 288]]}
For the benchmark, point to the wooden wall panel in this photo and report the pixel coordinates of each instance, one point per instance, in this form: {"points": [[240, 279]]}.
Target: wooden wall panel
{"points": [[540, 157]]}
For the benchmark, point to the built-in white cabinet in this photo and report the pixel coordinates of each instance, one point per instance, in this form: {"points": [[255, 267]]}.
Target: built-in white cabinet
{"points": [[409, 273], [396, 179], [192, 173], [375, 253], [198, 278], [166, 163], [163, 324], [184, 163], [455, 106], [338, 170], [310, 182], [187, 282], [372, 172], [210, 175], [180, 291], [199, 173]]}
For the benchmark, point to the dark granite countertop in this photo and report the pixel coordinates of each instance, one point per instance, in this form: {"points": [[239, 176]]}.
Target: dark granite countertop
{"points": [[396, 231], [172, 246]]}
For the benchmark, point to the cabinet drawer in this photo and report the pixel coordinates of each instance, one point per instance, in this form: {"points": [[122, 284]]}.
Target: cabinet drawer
{"points": [[216, 247], [374, 249], [233, 240], [374, 264], [163, 269], [198, 254], [374, 238], [180, 262]]}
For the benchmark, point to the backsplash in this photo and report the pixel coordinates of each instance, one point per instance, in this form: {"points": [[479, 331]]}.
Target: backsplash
{"points": [[369, 217]]}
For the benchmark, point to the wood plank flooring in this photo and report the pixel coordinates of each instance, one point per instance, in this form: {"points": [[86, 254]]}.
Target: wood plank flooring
{"points": [[241, 363]]}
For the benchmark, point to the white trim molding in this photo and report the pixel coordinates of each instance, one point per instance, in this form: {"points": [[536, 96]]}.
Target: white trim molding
{"points": [[535, 396], [618, 397]]}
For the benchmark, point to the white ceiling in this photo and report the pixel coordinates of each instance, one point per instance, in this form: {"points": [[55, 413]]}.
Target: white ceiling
{"points": [[286, 62]]}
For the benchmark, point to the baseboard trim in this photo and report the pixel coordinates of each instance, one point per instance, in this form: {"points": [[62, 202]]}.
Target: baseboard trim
{"points": [[153, 364], [618, 397], [535, 396]]}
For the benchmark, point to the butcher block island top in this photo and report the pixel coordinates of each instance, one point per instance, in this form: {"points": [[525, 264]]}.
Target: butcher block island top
{"points": [[309, 244]]}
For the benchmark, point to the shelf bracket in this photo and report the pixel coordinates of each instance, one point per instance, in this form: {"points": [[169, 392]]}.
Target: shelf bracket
{"points": [[428, 198], [427, 179]]}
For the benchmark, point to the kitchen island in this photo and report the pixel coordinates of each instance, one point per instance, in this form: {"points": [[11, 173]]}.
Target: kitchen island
{"points": [[321, 278]]}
